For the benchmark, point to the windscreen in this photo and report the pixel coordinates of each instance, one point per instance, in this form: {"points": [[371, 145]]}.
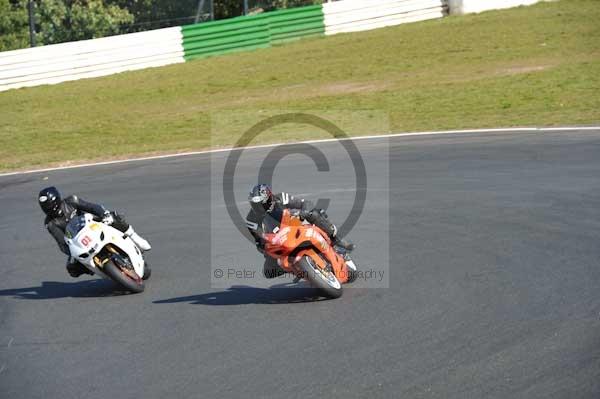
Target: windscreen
{"points": [[74, 226]]}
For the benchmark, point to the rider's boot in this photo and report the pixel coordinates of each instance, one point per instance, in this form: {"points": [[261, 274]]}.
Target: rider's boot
{"points": [[271, 269], [337, 240], [76, 269], [139, 241], [319, 218]]}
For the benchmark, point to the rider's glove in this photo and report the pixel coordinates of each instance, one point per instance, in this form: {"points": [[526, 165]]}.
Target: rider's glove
{"points": [[260, 247], [303, 214], [108, 218], [323, 213]]}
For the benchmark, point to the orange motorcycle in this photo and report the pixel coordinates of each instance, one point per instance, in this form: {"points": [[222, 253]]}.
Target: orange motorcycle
{"points": [[307, 252]]}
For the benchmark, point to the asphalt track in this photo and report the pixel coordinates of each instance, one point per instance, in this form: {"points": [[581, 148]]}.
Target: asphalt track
{"points": [[491, 241]]}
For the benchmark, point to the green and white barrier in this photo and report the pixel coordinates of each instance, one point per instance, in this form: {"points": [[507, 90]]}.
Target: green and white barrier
{"points": [[99, 57]]}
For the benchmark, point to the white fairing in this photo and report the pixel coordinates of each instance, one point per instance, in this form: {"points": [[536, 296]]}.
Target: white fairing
{"points": [[90, 238]]}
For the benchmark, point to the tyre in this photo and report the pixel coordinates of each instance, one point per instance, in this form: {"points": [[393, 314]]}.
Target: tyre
{"points": [[122, 276], [326, 282], [147, 272]]}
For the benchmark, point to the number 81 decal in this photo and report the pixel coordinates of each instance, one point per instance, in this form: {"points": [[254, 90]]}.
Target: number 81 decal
{"points": [[85, 241]]}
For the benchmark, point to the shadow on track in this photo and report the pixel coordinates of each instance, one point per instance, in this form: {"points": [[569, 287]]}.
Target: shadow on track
{"points": [[57, 289], [243, 295]]}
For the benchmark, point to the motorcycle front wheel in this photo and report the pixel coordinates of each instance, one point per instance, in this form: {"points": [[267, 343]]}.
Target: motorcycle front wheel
{"points": [[125, 278], [325, 281]]}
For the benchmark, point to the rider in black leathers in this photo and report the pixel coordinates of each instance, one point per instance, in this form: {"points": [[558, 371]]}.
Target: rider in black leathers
{"points": [[59, 212], [264, 203]]}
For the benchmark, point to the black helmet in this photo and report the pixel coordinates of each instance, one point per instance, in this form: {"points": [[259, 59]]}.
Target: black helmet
{"points": [[261, 198], [50, 200]]}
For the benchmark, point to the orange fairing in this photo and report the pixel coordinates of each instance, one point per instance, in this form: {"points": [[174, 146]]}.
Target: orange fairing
{"points": [[293, 240]]}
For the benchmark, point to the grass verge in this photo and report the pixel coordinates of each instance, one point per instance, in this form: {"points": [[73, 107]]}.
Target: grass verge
{"points": [[537, 65]]}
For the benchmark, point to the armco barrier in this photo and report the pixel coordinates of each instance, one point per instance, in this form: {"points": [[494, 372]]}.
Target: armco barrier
{"points": [[105, 56], [90, 58], [295, 23], [359, 15], [251, 32], [235, 34], [471, 6]]}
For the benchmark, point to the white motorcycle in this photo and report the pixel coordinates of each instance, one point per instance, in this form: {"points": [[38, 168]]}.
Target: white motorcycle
{"points": [[107, 252]]}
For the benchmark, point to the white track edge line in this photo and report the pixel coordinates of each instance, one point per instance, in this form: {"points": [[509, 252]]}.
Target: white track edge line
{"points": [[355, 138]]}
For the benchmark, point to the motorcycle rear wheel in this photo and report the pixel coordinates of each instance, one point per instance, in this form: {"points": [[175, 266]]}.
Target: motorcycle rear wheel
{"points": [[121, 278], [327, 283]]}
